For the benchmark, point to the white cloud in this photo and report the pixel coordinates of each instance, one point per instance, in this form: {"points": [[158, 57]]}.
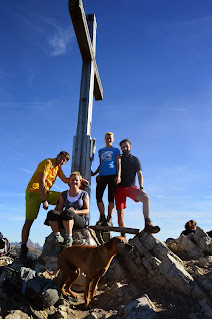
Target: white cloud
{"points": [[26, 170], [58, 38], [60, 41], [170, 197], [16, 218]]}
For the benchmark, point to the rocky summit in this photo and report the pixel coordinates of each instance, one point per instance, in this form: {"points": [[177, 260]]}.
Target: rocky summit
{"points": [[154, 280]]}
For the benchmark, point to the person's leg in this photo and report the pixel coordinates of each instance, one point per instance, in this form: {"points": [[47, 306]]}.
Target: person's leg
{"points": [[68, 225], [120, 200], [52, 197], [26, 230], [54, 226], [33, 201], [100, 188], [53, 217], [144, 198], [121, 217], [111, 194], [71, 219], [101, 208], [52, 220], [24, 238], [110, 211]]}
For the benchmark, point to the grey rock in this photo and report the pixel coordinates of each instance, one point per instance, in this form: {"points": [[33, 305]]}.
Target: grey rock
{"points": [[17, 314], [91, 316], [141, 308], [80, 237]]}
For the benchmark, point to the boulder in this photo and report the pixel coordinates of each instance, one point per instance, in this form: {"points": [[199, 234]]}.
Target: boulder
{"points": [[83, 236], [193, 246], [161, 264], [141, 308]]}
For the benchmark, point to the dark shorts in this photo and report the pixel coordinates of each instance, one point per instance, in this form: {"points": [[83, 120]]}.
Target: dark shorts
{"points": [[54, 215], [101, 185], [122, 193]]}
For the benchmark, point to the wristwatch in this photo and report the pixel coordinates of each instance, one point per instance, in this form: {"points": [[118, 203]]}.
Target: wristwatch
{"points": [[141, 187]]}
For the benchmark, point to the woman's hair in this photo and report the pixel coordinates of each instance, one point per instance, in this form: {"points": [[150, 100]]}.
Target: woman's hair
{"points": [[75, 173], [191, 224]]}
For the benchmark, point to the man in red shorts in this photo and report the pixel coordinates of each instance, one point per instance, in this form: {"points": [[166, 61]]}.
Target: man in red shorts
{"points": [[130, 166]]}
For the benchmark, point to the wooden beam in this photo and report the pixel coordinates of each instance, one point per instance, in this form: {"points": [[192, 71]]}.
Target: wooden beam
{"points": [[116, 229], [80, 25], [98, 89]]}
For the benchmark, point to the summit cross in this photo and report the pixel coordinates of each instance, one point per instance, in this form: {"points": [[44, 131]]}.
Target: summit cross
{"points": [[83, 146]]}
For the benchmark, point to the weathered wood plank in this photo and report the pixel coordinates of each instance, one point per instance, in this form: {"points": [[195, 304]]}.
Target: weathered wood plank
{"points": [[116, 229]]}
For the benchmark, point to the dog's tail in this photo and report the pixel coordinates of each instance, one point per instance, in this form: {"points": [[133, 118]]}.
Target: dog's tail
{"points": [[51, 273]]}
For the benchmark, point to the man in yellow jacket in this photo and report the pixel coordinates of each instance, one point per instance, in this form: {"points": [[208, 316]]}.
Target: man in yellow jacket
{"points": [[38, 192]]}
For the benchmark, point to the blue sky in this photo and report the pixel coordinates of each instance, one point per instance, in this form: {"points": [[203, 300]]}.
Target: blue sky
{"points": [[154, 60]]}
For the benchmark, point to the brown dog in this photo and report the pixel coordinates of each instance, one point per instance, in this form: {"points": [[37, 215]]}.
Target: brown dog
{"points": [[94, 261]]}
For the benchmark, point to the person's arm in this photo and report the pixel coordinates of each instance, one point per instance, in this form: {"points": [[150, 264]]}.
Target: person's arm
{"points": [[42, 180], [118, 166], [60, 204], [63, 178], [84, 182], [97, 170], [140, 179], [86, 207]]}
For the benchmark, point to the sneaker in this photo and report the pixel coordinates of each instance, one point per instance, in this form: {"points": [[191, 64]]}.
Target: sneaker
{"points": [[101, 221], [23, 254], [108, 223], [59, 243], [149, 228], [68, 242]]}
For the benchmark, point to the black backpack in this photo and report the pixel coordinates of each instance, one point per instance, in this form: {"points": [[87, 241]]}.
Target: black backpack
{"points": [[39, 292], [4, 246]]}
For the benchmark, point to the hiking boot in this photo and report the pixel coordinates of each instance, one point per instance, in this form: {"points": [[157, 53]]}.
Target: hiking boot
{"points": [[23, 254], [68, 242], [101, 221], [108, 223], [59, 243], [149, 228]]}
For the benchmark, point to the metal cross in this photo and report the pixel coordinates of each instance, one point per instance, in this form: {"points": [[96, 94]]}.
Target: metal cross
{"points": [[85, 30]]}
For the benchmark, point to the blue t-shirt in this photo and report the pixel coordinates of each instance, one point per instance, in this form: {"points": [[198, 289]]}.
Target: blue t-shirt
{"points": [[108, 161]]}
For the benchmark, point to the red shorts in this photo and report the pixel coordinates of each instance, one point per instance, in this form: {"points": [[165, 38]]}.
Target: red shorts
{"points": [[122, 193]]}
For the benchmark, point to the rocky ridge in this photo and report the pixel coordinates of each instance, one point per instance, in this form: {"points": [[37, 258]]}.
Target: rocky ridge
{"points": [[155, 280]]}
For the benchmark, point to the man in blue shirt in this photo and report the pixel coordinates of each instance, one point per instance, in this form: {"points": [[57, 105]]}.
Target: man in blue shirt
{"points": [[109, 170]]}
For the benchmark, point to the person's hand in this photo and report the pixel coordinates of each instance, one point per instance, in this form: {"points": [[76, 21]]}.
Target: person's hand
{"points": [[45, 205], [117, 180], [85, 182], [142, 191], [98, 178], [72, 210]]}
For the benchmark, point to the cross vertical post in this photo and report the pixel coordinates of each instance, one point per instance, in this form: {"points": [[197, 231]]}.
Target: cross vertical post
{"points": [[83, 146]]}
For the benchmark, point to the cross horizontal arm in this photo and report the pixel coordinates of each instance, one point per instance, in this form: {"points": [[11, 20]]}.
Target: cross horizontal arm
{"points": [[80, 25]]}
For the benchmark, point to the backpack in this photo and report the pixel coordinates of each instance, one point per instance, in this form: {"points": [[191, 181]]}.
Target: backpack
{"points": [[39, 292], [5, 246]]}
